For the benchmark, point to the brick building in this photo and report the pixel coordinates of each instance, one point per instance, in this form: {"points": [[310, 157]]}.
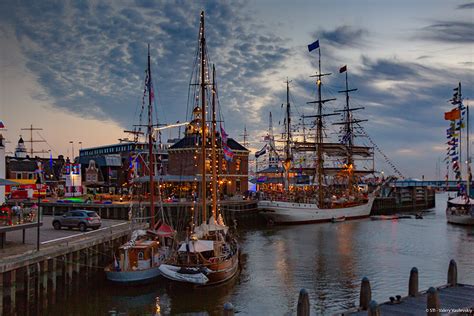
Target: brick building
{"points": [[184, 165]]}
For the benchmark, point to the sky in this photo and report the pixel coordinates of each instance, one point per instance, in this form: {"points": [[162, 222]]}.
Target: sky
{"points": [[76, 68]]}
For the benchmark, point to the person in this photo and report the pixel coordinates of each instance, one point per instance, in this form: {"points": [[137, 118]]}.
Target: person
{"points": [[17, 210]]}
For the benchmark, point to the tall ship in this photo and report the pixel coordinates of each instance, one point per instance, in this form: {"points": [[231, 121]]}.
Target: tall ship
{"points": [[333, 192], [208, 254], [459, 209]]}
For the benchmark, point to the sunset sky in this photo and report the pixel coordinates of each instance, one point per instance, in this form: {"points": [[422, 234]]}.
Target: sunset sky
{"points": [[75, 68]]}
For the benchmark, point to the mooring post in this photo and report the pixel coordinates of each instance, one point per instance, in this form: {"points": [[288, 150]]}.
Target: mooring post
{"points": [[44, 283], [1, 293], [228, 309], [413, 283], [452, 273], [12, 288], [365, 294], [52, 280], [432, 302], [27, 285], [374, 309], [303, 303]]}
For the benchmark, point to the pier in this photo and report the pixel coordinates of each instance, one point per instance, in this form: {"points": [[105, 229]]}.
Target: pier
{"points": [[31, 279]]}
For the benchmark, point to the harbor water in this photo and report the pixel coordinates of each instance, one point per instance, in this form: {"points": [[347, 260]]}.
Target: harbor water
{"points": [[329, 260]]}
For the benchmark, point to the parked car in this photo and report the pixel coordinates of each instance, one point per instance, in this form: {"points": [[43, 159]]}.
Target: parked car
{"points": [[82, 219]]}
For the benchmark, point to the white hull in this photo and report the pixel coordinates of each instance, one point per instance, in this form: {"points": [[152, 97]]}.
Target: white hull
{"points": [[133, 276], [172, 273], [301, 213], [460, 219]]}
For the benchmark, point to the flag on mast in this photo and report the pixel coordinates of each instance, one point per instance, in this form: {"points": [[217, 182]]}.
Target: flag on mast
{"points": [[313, 46]]}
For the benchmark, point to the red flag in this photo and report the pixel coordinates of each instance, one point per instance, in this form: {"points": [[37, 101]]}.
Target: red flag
{"points": [[343, 69], [454, 114]]}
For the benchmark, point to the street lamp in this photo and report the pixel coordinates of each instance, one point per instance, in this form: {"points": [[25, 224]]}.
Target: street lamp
{"points": [[38, 187], [71, 174]]}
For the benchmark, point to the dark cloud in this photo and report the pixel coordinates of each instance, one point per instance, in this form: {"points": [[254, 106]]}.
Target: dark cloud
{"points": [[449, 31], [466, 6], [90, 57], [344, 35]]}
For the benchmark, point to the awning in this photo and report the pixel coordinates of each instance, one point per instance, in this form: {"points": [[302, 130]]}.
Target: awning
{"points": [[197, 246], [461, 200], [9, 182]]}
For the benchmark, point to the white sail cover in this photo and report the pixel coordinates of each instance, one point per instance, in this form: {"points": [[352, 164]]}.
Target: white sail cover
{"points": [[461, 200], [197, 246]]}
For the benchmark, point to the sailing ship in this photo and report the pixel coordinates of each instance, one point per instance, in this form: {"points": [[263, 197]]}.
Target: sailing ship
{"points": [[460, 209], [209, 254], [139, 259], [335, 193]]}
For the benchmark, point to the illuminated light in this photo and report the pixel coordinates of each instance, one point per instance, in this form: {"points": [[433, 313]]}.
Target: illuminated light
{"points": [[318, 82]]}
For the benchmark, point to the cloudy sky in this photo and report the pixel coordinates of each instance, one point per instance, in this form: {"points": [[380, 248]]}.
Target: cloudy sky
{"points": [[75, 68]]}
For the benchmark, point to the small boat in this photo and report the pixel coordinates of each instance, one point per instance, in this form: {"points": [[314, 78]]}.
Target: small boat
{"points": [[338, 219], [460, 210], [384, 217], [419, 216], [139, 259]]}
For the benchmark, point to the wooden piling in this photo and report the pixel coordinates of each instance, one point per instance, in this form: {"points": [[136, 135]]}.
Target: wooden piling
{"points": [[452, 273], [44, 284], [432, 302], [28, 285], [413, 283], [12, 288], [374, 309], [1, 293], [365, 294], [52, 276], [228, 309], [303, 303]]}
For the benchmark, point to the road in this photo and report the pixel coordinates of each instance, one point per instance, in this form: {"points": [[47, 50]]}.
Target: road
{"points": [[48, 234]]}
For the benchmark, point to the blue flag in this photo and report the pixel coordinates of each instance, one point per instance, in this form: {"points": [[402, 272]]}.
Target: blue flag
{"points": [[313, 46]]}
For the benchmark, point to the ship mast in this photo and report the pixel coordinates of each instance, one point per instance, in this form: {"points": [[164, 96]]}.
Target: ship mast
{"points": [[151, 166], [203, 122], [319, 129], [348, 136], [288, 137], [213, 146]]}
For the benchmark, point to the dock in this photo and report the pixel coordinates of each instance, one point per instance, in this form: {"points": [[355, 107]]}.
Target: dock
{"points": [[451, 298], [31, 279]]}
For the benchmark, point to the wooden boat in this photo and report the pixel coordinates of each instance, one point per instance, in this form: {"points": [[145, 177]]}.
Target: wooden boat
{"points": [[139, 258], [209, 253], [342, 197]]}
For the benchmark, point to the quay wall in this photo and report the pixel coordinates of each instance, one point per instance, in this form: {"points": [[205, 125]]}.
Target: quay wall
{"points": [[32, 281], [398, 200]]}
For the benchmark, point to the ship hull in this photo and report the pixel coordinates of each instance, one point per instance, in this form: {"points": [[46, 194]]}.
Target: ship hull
{"points": [[216, 272], [460, 219], [302, 213], [132, 276]]}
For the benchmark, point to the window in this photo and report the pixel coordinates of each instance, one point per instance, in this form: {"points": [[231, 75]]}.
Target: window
{"points": [[140, 255], [237, 185], [30, 176], [18, 175], [237, 164]]}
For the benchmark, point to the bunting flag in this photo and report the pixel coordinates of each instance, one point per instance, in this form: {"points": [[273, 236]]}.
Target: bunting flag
{"points": [[224, 135], [313, 46], [51, 161], [454, 114], [2, 125], [343, 69], [346, 137], [228, 153], [261, 152]]}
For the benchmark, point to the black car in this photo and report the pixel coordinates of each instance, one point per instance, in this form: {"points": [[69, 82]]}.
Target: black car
{"points": [[81, 219]]}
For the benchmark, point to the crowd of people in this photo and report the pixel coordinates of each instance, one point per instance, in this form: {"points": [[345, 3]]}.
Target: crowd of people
{"points": [[17, 214]]}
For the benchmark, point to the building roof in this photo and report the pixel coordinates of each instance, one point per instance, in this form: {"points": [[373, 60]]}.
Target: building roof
{"points": [[190, 142]]}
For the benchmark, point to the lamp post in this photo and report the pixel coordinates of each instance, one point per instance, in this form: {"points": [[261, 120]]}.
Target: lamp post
{"points": [[71, 174], [38, 187]]}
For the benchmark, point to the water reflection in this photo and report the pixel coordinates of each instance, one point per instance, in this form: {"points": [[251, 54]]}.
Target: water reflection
{"points": [[329, 260]]}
